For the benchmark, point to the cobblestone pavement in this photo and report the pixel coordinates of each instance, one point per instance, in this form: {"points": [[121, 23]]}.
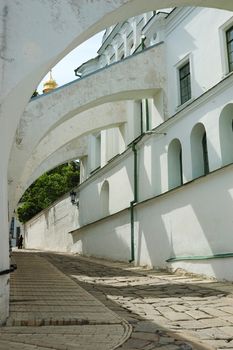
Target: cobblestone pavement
{"points": [[166, 311], [48, 310]]}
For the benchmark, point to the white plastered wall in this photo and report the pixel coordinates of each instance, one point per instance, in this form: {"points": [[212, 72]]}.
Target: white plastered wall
{"points": [[119, 178], [49, 229], [201, 48], [186, 221]]}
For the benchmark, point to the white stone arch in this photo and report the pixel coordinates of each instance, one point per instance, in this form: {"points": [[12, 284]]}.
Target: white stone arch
{"points": [[73, 150], [68, 24], [175, 166], [28, 76], [127, 35], [46, 113], [101, 117], [199, 151], [104, 199], [33, 59], [226, 134]]}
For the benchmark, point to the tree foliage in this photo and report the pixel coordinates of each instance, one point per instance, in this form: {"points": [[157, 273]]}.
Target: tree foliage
{"points": [[48, 188], [35, 94]]}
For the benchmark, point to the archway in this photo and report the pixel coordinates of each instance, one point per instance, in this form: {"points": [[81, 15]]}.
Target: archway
{"points": [[226, 134], [175, 169], [104, 199], [199, 151]]}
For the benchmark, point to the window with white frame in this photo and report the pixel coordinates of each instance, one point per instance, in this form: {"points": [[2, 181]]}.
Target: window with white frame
{"points": [[185, 82]]}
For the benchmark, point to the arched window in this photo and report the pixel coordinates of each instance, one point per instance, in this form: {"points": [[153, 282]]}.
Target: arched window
{"points": [[104, 199], [175, 168], [199, 150], [121, 55], [205, 154], [131, 46], [226, 134]]}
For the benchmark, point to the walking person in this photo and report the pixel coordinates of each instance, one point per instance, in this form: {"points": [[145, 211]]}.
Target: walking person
{"points": [[20, 242]]}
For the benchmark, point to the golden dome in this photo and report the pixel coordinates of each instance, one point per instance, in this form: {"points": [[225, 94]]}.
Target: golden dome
{"points": [[50, 84]]}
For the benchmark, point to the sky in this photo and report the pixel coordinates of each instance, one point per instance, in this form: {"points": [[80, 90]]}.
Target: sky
{"points": [[63, 72]]}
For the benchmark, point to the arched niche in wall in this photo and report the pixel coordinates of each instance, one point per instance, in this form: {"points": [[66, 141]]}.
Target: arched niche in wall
{"points": [[175, 171], [104, 199], [121, 55], [131, 46], [199, 151], [226, 134]]}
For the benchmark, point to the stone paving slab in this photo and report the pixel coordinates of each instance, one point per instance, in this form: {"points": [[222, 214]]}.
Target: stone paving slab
{"points": [[48, 310], [61, 337], [167, 311], [25, 292]]}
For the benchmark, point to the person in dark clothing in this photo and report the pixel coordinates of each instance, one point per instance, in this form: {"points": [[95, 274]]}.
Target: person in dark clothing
{"points": [[20, 242]]}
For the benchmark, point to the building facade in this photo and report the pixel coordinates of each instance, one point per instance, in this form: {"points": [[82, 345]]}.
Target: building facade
{"points": [[156, 187]]}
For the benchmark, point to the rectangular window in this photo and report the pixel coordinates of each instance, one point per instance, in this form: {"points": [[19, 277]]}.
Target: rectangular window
{"points": [[185, 83], [229, 38]]}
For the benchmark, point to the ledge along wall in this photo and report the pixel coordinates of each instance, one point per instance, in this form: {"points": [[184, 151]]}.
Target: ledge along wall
{"points": [[193, 221]]}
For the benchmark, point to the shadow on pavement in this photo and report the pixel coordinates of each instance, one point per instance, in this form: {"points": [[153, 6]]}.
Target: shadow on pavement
{"points": [[142, 298]]}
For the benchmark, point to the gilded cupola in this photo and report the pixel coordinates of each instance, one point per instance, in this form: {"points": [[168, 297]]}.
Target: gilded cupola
{"points": [[50, 84]]}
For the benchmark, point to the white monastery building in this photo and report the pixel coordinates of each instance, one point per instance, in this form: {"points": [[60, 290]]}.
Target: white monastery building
{"points": [[150, 119], [156, 183]]}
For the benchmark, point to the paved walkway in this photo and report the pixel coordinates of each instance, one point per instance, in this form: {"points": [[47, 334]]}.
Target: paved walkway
{"points": [[57, 303], [48, 310], [167, 311]]}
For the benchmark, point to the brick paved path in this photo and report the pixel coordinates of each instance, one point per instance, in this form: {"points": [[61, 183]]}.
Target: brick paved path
{"points": [[166, 311], [48, 310]]}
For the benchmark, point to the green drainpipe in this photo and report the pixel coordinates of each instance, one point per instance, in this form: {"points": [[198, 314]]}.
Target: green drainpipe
{"points": [[201, 257], [135, 172], [147, 116], [141, 118], [132, 258], [134, 200]]}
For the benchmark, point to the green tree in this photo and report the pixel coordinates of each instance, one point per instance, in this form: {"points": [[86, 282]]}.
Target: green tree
{"points": [[35, 93], [48, 188]]}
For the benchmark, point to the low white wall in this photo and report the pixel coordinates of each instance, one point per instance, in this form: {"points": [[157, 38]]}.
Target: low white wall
{"points": [[193, 220], [49, 229], [106, 238]]}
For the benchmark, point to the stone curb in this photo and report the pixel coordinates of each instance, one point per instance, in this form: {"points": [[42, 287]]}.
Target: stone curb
{"points": [[128, 331]]}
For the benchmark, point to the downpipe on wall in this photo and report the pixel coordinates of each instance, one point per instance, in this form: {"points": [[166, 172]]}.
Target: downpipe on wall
{"points": [[132, 203], [134, 149]]}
